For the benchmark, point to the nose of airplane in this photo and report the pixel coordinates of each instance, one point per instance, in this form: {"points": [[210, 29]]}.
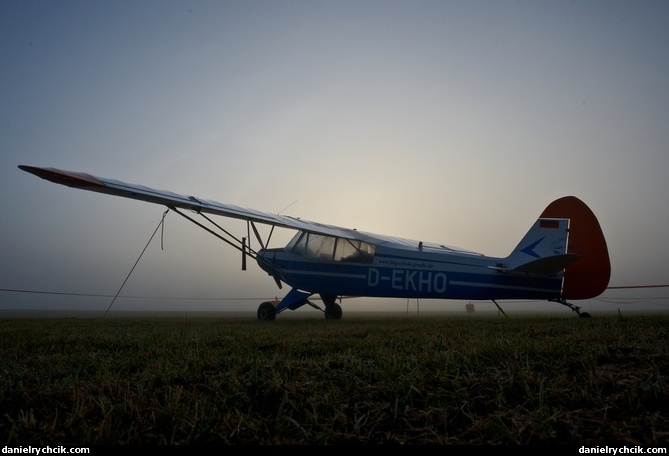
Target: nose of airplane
{"points": [[265, 259]]}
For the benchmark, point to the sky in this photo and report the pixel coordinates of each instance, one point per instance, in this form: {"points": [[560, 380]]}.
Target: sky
{"points": [[455, 122]]}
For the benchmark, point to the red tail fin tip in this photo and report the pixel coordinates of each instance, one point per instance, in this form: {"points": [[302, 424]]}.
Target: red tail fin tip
{"points": [[589, 276]]}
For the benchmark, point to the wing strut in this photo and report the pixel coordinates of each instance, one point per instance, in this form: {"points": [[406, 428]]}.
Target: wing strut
{"points": [[243, 245], [255, 230], [227, 241]]}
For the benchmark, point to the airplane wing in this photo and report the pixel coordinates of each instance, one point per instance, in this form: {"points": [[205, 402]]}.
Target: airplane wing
{"points": [[86, 181]]}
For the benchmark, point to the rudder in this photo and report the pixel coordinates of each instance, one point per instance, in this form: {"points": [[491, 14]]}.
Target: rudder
{"points": [[589, 276]]}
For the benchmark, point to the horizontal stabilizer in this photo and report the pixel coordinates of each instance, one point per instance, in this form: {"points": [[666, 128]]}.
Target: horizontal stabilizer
{"points": [[547, 266]]}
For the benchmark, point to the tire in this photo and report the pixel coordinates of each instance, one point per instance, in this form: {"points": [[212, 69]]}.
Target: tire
{"points": [[333, 312], [266, 312]]}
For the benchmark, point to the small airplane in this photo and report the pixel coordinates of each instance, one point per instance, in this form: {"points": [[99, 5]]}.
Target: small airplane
{"points": [[562, 257]]}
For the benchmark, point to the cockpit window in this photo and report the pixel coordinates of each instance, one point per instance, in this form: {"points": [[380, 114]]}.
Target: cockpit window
{"points": [[298, 245], [331, 248], [320, 246], [354, 251]]}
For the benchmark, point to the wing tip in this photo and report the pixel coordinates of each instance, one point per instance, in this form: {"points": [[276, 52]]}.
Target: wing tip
{"points": [[59, 176]]}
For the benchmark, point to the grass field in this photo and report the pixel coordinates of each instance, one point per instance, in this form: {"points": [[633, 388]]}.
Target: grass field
{"points": [[364, 379]]}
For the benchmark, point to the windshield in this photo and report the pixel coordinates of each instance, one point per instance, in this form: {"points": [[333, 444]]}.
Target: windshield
{"points": [[331, 248]]}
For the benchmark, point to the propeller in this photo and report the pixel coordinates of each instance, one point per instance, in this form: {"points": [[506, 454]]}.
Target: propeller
{"points": [[243, 254]]}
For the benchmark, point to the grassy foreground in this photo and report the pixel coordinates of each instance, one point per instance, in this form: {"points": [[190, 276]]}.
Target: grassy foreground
{"points": [[427, 380]]}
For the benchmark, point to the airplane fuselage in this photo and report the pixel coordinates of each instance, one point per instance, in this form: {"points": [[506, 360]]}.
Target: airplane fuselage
{"points": [[405, 271]]}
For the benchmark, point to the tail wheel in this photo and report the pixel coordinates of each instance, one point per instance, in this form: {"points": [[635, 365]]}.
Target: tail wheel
{"points": [[266, 311]]}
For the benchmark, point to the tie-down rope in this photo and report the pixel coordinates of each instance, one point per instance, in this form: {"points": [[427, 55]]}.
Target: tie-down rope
{"points": [[161, 224]]}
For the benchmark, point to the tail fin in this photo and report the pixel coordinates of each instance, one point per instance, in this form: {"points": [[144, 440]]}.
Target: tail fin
{"points": [[589, 276], [566, 237], [543, 250]]}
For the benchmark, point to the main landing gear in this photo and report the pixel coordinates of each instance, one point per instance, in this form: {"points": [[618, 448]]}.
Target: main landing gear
{"points": [[332, 309], [266, 311], [295, 299], [576, 309]]}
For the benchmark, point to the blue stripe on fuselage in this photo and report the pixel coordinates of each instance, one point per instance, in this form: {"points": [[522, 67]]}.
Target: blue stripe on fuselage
{"points": [[394, 276]]}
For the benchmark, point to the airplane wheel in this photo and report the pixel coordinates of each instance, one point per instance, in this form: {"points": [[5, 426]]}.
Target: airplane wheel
{"points": [[584, 315], [266, 312], [333, 312]]}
